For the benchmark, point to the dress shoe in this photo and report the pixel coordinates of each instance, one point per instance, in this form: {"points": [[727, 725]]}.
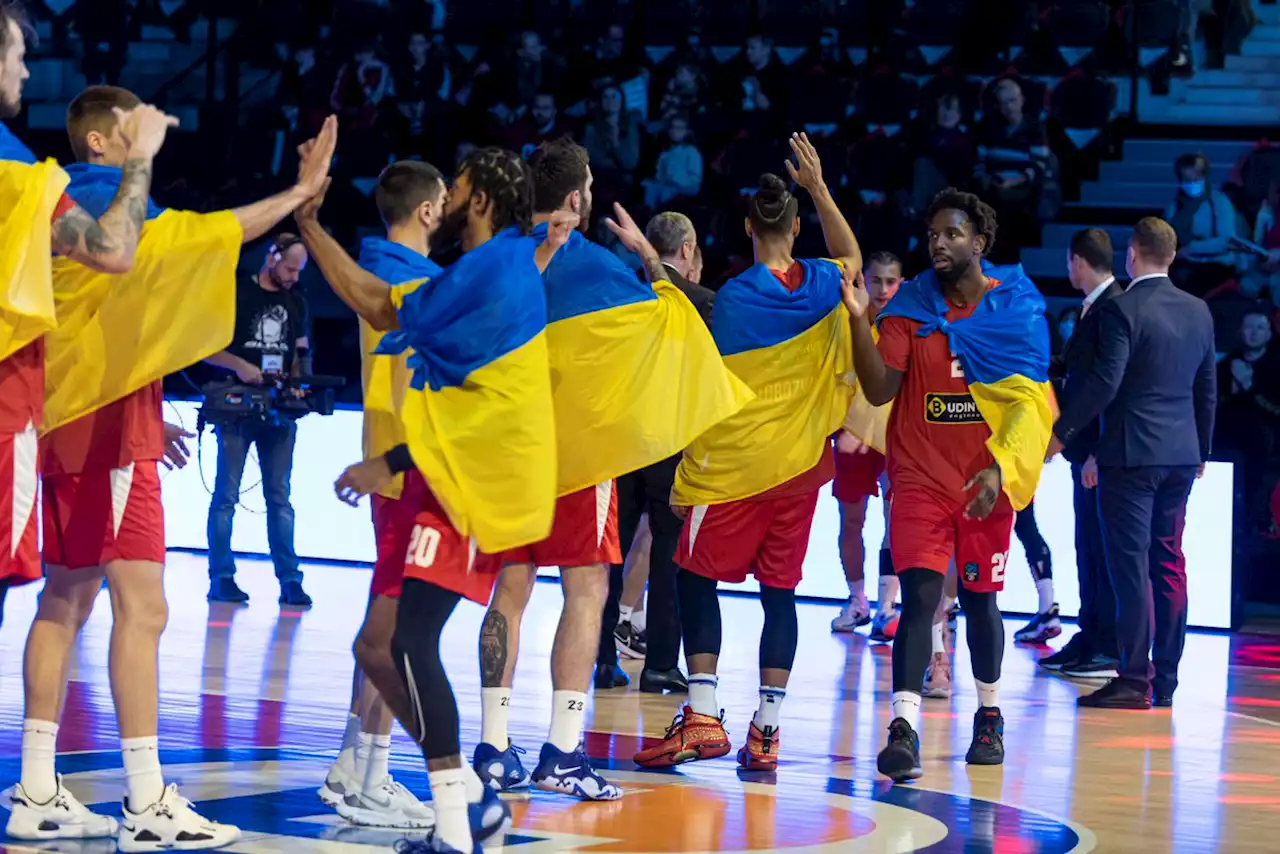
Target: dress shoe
{"points": [[1075, 650], [225, 589], [608, 678], [292, 595], [1116, 694], [661, 681], [1162, 701]]}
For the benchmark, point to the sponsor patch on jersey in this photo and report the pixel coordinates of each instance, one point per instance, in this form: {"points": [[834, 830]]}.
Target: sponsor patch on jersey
{"points": [[940, 408]]}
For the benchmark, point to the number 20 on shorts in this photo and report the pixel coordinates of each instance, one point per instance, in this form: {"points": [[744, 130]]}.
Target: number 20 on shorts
{"points": [[423, 546]]}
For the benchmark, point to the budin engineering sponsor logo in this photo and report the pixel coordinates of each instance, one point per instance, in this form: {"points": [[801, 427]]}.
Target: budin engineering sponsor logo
{"points": [[941, 408]]}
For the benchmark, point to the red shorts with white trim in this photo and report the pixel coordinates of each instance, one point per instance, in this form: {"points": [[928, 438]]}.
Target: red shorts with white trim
{"points": [[767, 539], [928, 532], [19, 546], [857, 476], [393, 523], [585, 531], [437, 554], [96, 517]]}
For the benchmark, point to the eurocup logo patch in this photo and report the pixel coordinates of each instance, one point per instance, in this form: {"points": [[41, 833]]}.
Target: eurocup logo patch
{"points": [[971, 573]]}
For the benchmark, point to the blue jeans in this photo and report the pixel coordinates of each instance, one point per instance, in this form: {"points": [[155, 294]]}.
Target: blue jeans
{"points": [[275, 458]]}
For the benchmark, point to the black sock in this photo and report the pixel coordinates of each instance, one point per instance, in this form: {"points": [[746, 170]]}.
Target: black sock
{"points": [[913, 644], [424, 610]]}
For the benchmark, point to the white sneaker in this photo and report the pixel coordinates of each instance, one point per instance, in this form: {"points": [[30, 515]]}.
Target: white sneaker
{"points": [[937, 679], [338, 783], [388, 805], [62, 817], [171, 823], [855, 612]]}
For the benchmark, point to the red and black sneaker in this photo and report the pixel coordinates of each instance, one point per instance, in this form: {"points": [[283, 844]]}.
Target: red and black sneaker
{"points": [[690, 737]]}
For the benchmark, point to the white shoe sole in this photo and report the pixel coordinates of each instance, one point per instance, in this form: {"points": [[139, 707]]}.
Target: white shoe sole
{"points": [[937, 693], [131, 846], [377, 818], [63, 832], [329, 797], [549, 784]]}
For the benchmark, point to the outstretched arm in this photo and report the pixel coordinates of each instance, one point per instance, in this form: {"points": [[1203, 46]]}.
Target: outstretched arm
{"points": [[879, 382], [363, 292], [807, 172], [313, 170]]}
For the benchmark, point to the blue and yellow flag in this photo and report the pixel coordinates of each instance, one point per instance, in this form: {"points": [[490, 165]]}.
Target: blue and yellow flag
{"points": [[29, 194], [478, 414], [1003, 348], [794, 350], [635, 375], [386, 378], [117, 334]]}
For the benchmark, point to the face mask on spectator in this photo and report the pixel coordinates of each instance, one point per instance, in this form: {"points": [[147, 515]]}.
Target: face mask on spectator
{"points": [[1194, 189]]}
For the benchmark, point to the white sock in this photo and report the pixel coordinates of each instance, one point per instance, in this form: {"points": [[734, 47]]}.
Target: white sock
{"points": [[624, 613], [702, 694], [988, 694], [568, 711], [495, 703], [142, 771], [372, 757], [940, 637], [639, 620], [475, 789], [350, 740], [770, 706], [1044, 587], [449, 797], [39, 746], [858, 589], [887, 593], [906, 705]]}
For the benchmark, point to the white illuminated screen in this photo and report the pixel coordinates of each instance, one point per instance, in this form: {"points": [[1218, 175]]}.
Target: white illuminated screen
{"points": [[325, 528]]}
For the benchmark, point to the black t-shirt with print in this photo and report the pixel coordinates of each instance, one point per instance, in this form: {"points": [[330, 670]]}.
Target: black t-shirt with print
{"points": [[268, 326]]}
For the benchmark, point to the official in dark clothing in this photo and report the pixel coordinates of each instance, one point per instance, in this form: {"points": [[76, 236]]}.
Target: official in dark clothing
{"points": [[648, 491], [1154, 382], [1092, 651]]}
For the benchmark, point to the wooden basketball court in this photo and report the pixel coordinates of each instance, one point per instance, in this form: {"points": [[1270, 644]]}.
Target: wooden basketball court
{"points": [[254, 703]]}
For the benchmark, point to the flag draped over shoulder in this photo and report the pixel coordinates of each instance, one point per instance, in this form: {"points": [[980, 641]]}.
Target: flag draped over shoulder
{"points": [[386, 378], [865, 421], [29, 194], [794, 350], [1003, 348], [478, 414], [635, 375], [175, 306]]}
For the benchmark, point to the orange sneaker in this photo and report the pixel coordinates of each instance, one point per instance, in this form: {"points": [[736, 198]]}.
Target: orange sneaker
{"points": [[760, 753], [689, 738]]}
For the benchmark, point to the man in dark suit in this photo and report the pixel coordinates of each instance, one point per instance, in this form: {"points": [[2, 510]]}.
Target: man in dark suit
{"points": [[1154, 382], [1091, 652], [648, 491]]}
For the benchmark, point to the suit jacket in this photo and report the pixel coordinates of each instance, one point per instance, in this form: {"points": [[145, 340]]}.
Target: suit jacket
{"points": [[703, 299], [1077, 359], [1153, 379]]}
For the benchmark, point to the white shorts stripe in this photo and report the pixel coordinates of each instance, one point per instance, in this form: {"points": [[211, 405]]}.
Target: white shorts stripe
{"points": [[121, 484], [696, 515], [26, 447], [604, 497]]}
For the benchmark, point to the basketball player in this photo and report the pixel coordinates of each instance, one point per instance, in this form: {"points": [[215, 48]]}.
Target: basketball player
{"points": [[410, 197], [488, 208], [103, 517], [860, 476], [941, 451], [106, 243], [778, 324]]}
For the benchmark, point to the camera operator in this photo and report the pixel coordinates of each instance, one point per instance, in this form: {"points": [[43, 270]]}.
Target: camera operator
{"points": [[270, 342]]}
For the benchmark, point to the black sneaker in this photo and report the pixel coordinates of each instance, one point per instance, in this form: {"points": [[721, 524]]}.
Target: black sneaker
{"points": [[1042, 628], [1093, 667], [900, 759], [630, 643], [225, 589], [292, 594], [988, 738], [609, 677], [1073, 652]]}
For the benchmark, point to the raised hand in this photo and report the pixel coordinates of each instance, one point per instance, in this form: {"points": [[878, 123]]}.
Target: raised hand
{"points": [[807, 170], [144, 128], [560, 227], [626, 230], [310, 209], [315, 156], [853, 291]]}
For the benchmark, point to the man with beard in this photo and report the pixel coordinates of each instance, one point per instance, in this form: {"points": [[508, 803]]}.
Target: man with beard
{"points": [[37, 217], [635, 378], [963, 353], [480, 381]]}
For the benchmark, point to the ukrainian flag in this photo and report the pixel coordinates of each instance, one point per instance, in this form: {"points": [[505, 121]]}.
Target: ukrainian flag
{"points": [[386, 378], [29, 194], [478, 414], [795, 351], [117, 334], [635, 375], [1003, 348]]}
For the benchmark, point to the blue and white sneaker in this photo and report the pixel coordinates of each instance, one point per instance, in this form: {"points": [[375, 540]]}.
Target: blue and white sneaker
{"points": [[489, 817], [431, 845], [571, 774], [500, 770], [884, 628]]}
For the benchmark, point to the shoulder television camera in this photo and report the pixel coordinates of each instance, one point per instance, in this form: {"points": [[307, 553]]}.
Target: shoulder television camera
{"points": [[277, 400]]}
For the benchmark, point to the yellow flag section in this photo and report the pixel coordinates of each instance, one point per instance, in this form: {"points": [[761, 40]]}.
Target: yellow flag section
{"points": [[868, 423], [635, 375], [386, 378], [795, 351], [116, 334], [478, 414], [29, 195]]}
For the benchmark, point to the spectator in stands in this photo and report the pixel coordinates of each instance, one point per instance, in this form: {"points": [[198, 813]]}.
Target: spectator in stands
{"points": [[540, 124], [606, 61], [104, 28], [944, 155], [423, 75], [535, 69], [757, 84], [1264, 273], [612, 141], [1013, 160], [360, 87], [1249, 406], [1205, 222], [679, 170], [684, 93]]}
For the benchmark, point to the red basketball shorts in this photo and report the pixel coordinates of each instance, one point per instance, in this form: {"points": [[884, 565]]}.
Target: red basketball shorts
{"points": [[96, 517], [927, 532], [437, 554], [585, 531], [857, 476], [19, 468], [393, 523], [767, 539]]}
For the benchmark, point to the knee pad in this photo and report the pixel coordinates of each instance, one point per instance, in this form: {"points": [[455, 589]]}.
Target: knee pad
{"points": [[781, 628]]}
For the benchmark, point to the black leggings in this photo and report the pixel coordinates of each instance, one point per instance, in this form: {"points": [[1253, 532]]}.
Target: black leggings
{"points": [[700, 621], [913, 644], [424, 610], [1028, 532]]}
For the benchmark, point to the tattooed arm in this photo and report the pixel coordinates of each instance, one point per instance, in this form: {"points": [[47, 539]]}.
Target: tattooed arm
{"points": [[108, 243], [634, 239]]}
